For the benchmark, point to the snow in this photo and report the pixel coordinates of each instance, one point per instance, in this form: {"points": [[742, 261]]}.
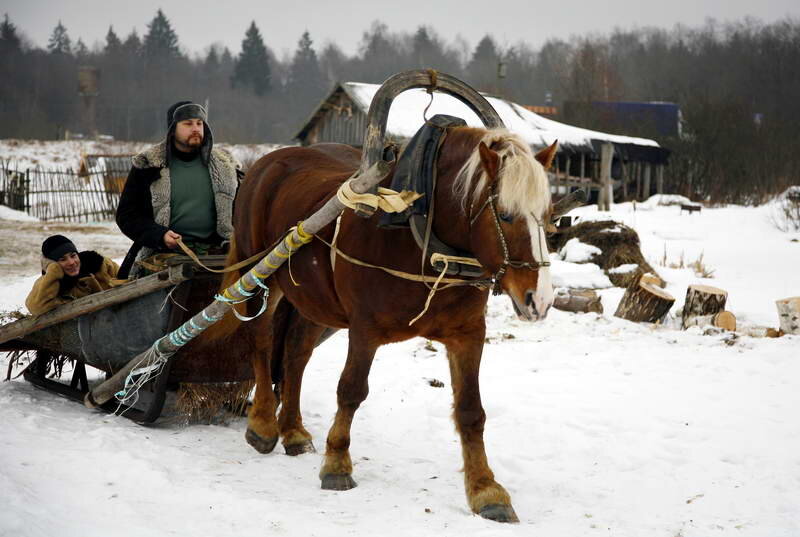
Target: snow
{"points": [[50, 155], [576, 251], [7, 213], [406, 116], [595, 425]]}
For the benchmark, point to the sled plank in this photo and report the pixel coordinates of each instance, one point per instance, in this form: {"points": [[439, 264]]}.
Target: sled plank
{"points": [[97, 301]]}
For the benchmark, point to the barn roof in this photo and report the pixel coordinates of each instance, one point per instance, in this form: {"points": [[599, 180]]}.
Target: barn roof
{"points": [[405, 117]]}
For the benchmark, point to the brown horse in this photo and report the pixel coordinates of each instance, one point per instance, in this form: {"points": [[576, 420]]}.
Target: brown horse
{"points": [[491, 199]]}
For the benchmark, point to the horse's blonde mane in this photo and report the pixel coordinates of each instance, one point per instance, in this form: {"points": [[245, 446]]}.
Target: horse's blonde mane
{"points": [[523, 186]]}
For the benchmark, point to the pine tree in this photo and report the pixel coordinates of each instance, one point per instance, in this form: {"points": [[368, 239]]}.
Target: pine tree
{"points": [[132, 45], [252, 66], [304, 73], [9, 40], [59, 42], [161, 41], [81, 50], [113, 44]]}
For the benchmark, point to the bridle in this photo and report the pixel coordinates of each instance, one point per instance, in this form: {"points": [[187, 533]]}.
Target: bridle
{"points": [[491, 202]]}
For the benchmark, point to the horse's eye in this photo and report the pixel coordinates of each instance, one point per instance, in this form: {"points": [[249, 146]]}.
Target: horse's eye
{"points": [[505, 217]]}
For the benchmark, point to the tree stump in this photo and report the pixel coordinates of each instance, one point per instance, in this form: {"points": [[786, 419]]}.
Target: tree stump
{"points": [[789, 315], [577, 301], [724, 319], [643, 302], [702, 300]]}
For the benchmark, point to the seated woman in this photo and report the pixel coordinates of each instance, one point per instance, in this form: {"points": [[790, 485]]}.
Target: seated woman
{"points": [[67, 275]]}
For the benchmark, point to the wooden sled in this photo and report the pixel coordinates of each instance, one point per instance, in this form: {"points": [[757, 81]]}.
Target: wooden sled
{"points": [[105, 330]]}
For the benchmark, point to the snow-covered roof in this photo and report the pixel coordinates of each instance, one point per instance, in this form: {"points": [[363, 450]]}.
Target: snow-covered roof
{"points": [[405, 117]]}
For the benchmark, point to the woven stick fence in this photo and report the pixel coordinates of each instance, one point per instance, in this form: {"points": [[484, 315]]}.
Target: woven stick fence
{"points": [[62, 194]]}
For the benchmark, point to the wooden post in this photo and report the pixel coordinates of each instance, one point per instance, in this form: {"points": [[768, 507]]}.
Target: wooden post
{"points": [[646, 191], [660, 179], [624, 179], [644, 302], [583, 165], [789, 315], [606, 196], [638, 175]]}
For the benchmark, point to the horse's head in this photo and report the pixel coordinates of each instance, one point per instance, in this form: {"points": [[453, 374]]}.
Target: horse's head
{"points": [[505, 193]]}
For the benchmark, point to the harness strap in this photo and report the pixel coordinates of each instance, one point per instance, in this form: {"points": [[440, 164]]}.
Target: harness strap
{"points": [[406, 275], [386, 199]]}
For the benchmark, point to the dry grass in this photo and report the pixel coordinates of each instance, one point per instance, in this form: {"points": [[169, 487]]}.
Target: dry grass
{"points": [[698, 266]]}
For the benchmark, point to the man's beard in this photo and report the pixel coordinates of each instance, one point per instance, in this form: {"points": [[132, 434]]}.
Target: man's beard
{"points": [[191, 144]]}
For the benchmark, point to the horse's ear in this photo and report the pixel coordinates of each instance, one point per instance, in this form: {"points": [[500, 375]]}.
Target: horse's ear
{"points": [[490, 161], [546, 155]]}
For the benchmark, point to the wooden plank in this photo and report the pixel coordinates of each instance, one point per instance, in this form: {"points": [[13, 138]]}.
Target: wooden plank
{"points": [[172, 276], [646, 188]]}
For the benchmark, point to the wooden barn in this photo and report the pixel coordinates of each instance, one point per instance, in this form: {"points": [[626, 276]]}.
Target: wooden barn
{"points": [[631, 167]]}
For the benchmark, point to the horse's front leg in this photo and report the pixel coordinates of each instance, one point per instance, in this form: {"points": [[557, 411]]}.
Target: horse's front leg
{"points": [[336, 471], [485, 496], [262, 425]]}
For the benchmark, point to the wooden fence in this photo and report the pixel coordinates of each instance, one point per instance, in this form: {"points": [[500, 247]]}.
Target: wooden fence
{"points": [[64, 195]]}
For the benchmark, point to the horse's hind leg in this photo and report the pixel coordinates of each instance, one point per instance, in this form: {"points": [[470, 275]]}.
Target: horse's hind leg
{"points": [[485, 496], [300, 338], [336, 471], [262, 426]]}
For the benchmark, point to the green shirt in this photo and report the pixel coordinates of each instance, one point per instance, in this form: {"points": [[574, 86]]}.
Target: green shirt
{"points": [[193, 212]]}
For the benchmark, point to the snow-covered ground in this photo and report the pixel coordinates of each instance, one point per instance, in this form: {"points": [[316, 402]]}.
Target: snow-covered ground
{"points": [[596, 426]]}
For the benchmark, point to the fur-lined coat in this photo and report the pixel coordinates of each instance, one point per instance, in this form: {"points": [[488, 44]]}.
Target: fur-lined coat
{"points": [[54, 288], [143, 213]]}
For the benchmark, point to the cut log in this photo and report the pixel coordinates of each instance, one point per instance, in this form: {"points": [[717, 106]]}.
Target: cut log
{"points": [[703, 300], [758, 331], [789, 315], [643, 302], [577, 301], [724, 319]]}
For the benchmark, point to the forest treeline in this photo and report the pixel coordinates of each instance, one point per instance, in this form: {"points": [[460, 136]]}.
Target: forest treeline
{"points": [[737, 84]]}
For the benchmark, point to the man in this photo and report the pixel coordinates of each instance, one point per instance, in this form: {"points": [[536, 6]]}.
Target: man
{"points": [[67, 275], [180, 188]]}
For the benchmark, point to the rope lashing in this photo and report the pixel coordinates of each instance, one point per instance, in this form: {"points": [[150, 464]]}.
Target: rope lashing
{"points": [[386, 199], [430, 89]]}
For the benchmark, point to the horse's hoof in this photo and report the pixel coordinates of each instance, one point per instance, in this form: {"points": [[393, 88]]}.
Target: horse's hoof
{"points": [[262, 445], [338, 482], [299, 449], [499, 513]]}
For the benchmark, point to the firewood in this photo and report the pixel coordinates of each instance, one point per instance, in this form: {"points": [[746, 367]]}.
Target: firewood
{"points": [[789, 314], [724, 319], [577, 301], [703, 300], [758, 331], [644, 302]]}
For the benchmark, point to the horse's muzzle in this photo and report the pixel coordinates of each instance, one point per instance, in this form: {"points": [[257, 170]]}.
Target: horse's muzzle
{"points": [[533, 309]]}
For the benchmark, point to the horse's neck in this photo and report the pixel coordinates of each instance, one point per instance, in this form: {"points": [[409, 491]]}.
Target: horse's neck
{"points": [[450, 222]]}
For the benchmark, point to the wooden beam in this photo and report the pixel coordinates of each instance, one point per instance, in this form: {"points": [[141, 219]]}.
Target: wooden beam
{"points": [[606, 193], [660, 179], [646, 188], [88, 304]]}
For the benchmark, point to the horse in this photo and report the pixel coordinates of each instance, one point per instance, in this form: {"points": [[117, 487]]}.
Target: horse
{"points": [[492, 199]]}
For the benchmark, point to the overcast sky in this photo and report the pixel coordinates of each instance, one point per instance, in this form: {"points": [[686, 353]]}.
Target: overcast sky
{"points": [[282, 23]]}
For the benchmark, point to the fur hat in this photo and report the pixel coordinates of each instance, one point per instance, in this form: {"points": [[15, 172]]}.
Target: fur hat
{"points": [[189, 110], [57, 246]]}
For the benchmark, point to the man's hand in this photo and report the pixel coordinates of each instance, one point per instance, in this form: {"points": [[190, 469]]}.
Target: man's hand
{"points": [[171, 239]]}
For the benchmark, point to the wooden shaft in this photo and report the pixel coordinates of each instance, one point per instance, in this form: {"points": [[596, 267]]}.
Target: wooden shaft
{"points": [[97, 301], [245, 287]]}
